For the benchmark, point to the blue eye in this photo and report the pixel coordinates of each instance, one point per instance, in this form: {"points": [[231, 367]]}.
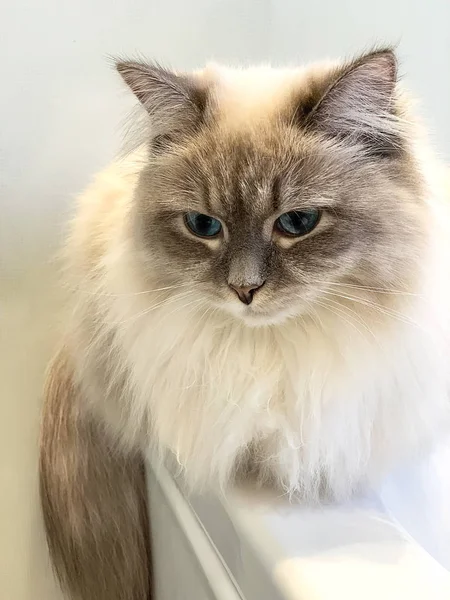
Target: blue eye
{"points": [[298, 222], [202, 225]]}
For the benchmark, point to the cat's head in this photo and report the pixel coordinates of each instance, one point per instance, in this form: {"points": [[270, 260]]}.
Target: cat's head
{"points": [[264, 188]]}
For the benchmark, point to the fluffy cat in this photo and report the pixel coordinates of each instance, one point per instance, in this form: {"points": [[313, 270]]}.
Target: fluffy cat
{"points": [[261, 291]]}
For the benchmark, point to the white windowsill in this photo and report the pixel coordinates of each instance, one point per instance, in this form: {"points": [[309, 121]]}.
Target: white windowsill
{"points": [[257, 547]]}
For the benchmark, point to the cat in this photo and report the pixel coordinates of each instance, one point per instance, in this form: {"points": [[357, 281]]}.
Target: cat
{"points": [[259, 291]]}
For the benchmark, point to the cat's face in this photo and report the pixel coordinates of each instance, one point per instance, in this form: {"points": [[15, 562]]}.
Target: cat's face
{"points": [[288, 217], [261, 222]]}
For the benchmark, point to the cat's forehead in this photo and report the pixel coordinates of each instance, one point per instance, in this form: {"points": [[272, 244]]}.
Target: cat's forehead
{"points": [[243, 97], [258, 171], [242, 173], [250, 154]]}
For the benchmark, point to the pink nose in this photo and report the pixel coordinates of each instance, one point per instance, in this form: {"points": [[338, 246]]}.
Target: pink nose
{"points": [[245, 292]]}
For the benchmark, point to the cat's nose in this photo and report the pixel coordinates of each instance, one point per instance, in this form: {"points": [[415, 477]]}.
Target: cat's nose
{"points": [[245, 292]]}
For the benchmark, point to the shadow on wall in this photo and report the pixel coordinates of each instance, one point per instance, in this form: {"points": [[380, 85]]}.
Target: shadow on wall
{"points": [[29, 304]]}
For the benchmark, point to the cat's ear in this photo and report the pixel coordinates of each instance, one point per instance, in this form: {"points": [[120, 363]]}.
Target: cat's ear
{"points": [[358, 105], [175, 103]]}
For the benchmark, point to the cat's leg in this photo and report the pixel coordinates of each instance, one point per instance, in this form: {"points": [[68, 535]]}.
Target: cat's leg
{"points": [[275, 461], [93, 499]]}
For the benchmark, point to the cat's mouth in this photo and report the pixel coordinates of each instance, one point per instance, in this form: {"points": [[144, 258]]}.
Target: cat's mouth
{"points": [[256, 316]]}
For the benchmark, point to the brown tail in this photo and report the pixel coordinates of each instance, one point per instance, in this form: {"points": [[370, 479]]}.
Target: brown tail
{"points": [[93, 500]]}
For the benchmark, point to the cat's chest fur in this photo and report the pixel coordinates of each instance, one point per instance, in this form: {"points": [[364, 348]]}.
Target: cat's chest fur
{"points": [[309, 402]]}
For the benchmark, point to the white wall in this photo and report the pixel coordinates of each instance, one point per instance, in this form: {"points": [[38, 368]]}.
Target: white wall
{"points": [[61, 107], [307, 30]]}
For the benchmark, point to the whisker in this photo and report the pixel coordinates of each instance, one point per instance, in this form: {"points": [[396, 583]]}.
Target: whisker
{"points": [[355, 315], [377, 307], [128, 294], [314, 315], [195, 302], [334, 311], [393, 292], [155, 306]]}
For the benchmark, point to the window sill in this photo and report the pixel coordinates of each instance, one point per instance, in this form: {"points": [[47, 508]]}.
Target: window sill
{"points": [[256, 547]]}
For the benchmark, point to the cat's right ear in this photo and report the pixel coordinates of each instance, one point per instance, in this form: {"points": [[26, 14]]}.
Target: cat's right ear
{"points": [[174, 102], [358, 105]]}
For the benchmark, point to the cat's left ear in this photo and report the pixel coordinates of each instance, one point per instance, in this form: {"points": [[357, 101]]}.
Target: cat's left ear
{"points": [[175, 103], [358, 105]]}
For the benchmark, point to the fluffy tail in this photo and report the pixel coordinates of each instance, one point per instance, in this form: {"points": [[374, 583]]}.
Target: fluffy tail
{"points": [[93, 500]]}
